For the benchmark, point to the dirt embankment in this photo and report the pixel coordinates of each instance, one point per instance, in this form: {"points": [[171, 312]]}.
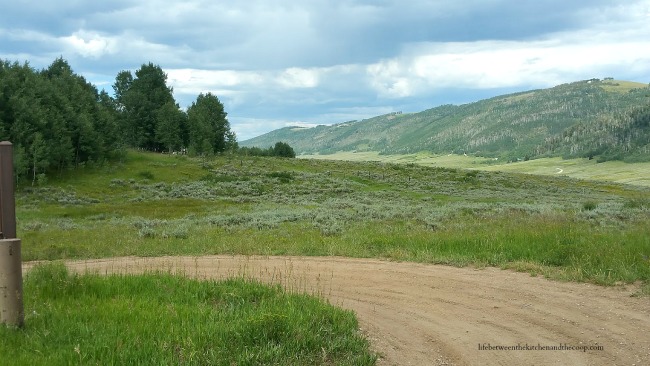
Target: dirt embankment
{"points": [[417, 314]]}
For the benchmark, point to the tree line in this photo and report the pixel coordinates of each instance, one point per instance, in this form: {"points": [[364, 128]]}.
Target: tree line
{"points": [[57, 120], [280, 149]]}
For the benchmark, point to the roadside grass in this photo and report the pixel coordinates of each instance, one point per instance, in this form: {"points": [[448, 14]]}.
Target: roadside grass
{"points": [[559, 227], [163, 319]]}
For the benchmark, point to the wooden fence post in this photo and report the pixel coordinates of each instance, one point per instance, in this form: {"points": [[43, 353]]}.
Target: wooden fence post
{"points": [[11, 273]]}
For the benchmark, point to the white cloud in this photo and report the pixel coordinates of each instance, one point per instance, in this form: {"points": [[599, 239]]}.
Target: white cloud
{"points": [[295, 77], [260, 86], [90, 44], [617, 41], [247, 128], [391, 78], [195, 81], [498, 64]]}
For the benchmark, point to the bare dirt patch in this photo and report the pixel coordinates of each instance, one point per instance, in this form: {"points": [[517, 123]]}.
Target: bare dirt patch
{"points": [[418, 314]]}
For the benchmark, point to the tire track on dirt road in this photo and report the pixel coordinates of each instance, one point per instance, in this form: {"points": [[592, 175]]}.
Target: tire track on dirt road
{"points": [[419, 314]]}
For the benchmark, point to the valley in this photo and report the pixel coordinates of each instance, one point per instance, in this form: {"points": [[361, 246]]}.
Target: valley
{"points": [[609, 171]]}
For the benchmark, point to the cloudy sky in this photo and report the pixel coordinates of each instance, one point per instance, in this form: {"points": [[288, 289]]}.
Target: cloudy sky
{"points": [[275, 63]]}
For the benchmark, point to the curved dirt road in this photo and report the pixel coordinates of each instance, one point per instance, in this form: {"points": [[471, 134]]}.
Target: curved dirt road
{"points": [[418, 314]]}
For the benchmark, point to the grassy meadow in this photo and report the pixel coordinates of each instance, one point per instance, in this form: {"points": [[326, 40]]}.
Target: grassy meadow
{"points": [[152, 205]]}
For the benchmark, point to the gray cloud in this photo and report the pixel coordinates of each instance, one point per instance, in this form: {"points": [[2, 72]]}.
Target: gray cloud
{"points": [[278, 62]]}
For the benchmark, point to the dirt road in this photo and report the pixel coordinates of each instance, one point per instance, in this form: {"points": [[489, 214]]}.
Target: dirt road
{"points": [[417, 314]]}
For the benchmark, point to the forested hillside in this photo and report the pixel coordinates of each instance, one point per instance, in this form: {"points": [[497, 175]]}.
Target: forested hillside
{"points": [[515, 126], [57, 120], [619, 137]]}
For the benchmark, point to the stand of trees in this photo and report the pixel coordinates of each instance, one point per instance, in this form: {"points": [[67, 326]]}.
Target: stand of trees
{"points": [[281, 149], [57, 120], [150, 118]]}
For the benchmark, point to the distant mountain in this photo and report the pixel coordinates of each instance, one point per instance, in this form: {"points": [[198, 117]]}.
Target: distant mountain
{"points": [[577, 119]]}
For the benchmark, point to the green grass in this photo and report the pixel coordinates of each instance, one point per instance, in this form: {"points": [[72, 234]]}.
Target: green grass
{"points": [[162, 319], [621, 86], [609, 171], [557, 226]]}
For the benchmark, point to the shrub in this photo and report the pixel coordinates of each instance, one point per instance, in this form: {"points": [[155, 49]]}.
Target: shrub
{"points": [[147, 232], [118, 182], [589, 205], [146, 175], [284, 177], [637, 203], [179, 232]]}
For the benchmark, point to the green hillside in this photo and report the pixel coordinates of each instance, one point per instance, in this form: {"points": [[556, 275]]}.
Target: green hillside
{"points": [[511, 127], [619, 137]]}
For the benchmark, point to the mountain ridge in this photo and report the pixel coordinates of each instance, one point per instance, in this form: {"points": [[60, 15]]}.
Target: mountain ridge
{"points": [[511, 126]]}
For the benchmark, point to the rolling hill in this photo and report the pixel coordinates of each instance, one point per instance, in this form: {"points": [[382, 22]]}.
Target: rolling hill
{"points": [[585, 118]]}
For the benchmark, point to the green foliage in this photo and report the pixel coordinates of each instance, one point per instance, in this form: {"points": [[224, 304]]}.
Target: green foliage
{"points": [[54, 118], [39, 152], [168, 130], [146, 174], [589, 205], [209, 129], [284, 177], [280, 149], [638, 203], [169, 320], [143, 102]]}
